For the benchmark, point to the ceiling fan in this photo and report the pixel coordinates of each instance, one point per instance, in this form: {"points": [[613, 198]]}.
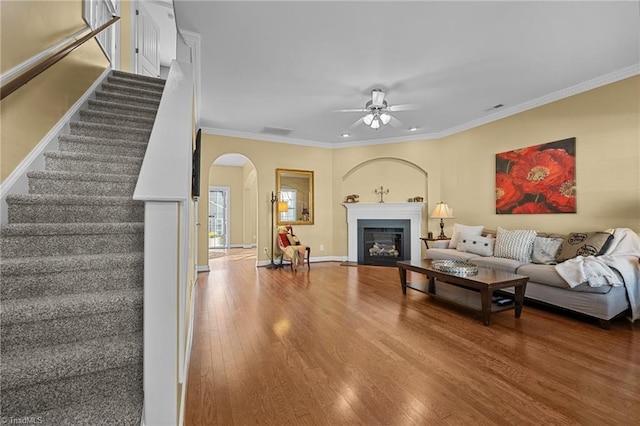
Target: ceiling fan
{"points": [[378, 112]]}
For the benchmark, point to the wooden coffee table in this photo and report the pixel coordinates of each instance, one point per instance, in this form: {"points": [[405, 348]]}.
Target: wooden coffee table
{"points": [[486, 281]]}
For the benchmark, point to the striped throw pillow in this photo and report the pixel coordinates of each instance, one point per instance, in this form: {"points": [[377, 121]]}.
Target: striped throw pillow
{"points": [[516, 245]]}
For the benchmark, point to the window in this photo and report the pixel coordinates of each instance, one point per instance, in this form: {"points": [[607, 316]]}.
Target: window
{"points": [[290, 197]]}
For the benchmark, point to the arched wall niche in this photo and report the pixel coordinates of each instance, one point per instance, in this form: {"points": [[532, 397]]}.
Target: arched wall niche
{"points": [[403, 178]]}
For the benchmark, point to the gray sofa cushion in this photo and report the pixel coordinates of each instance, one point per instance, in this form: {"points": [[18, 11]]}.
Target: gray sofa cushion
{"points": [[448, 254], [499, 263], [546, 274]]}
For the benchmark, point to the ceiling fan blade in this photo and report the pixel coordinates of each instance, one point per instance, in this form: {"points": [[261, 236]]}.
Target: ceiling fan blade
{"points": [[395, 122], [351, 110], [356, 123], [405, 107]]}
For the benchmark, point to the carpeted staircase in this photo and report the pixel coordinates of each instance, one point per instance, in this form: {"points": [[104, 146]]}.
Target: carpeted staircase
{"points": [[72, 270]]}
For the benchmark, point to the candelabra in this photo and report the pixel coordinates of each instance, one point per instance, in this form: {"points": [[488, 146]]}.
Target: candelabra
{"points": [[381, 192]]}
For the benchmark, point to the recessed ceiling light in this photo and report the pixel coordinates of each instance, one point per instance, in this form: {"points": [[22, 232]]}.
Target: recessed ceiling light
{"points": [[345, 135], [413, 129]]}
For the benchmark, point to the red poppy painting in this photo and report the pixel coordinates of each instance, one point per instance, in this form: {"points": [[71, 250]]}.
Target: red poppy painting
{"points": [[537, 179]]}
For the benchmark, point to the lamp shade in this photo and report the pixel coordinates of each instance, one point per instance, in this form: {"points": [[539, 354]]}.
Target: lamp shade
{"points": [[442, 211], [282, 206]]}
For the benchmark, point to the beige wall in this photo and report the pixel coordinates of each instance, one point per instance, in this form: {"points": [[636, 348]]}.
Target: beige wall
{"points": [[266, 157], [606, 125], [125, 36], [27, 28], [460, 170], [29, 113], [250, 200]]}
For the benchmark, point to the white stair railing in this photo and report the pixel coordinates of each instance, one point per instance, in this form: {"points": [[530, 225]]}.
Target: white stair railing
{"points": [[164, 185]]}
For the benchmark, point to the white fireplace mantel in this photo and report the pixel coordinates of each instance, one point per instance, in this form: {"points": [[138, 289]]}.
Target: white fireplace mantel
{"points": [[391, 211]]}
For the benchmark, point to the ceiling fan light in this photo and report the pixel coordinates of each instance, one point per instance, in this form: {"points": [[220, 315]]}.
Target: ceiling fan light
{"points": [[385, 117], [375, 124], [368, 119]]}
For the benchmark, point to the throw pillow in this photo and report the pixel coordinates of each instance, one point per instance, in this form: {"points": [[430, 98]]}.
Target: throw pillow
{"points": [[476, 244], [583, 244], [284, 240], [545, 250], [516, 245], [459, 229]]}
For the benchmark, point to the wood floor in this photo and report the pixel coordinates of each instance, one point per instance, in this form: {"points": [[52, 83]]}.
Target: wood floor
{"points": [[341, 345]]}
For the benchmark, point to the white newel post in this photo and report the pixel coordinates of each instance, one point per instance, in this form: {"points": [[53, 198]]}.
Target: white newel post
{"points": [[384, 211]]}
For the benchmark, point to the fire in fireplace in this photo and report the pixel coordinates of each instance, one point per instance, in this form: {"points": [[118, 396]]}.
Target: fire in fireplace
{"points": [[383, 242]]}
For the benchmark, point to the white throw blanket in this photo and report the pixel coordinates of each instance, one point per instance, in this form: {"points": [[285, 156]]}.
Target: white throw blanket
{"points": [[622, 255], [590, 269]]}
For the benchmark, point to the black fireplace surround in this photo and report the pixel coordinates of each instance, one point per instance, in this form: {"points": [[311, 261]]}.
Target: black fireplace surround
{"points": [[383, 242]]}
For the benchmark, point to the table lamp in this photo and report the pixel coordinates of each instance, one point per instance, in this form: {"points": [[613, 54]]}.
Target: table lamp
{"points": [[442, 211]]}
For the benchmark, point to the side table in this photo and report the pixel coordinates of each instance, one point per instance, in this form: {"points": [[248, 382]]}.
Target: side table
{"points": [[426, 240]]}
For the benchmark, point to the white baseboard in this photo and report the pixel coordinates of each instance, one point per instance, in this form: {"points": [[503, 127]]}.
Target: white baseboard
{"points": [[203, 268], [17, 182]]}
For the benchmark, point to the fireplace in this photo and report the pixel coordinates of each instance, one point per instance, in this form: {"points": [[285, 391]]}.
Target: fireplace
{"points": [[383, 242], [386, 212]]}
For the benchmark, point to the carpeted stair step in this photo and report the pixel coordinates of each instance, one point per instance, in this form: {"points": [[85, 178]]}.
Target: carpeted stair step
{"points": [[70, 239], [71, 316], [47, 321], [116, 119], [132, 91], [88, 144], [24, 336], [73, 209], [79, 390], [31, 277], [42, 309], [127, 100], [83, 128], [121, 108], [78, 183], [138, 77], [41, 369], [84, 162], [138, 84], [116, 410]]}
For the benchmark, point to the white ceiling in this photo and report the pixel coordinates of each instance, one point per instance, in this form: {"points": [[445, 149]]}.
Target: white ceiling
{"points": [[290, 64]]}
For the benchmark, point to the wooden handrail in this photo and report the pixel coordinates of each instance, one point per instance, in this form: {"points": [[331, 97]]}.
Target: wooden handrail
{"points": [[46, 63]]}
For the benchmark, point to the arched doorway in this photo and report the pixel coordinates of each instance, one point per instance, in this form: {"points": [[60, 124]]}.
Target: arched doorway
{"points": [[232, 204]]}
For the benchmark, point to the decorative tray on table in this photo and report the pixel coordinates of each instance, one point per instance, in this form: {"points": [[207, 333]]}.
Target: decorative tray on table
{"points": [[456, 267]]}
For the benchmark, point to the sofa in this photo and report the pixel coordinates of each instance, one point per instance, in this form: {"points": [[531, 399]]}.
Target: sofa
{"points": [[595, 274]]}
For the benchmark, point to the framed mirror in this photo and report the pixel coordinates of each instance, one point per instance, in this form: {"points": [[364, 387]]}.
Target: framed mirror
{"points": [[295, 188]]}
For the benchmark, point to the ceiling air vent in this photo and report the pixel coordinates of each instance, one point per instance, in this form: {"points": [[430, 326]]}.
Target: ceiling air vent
{"points": [[276, 131], [494, 107]]}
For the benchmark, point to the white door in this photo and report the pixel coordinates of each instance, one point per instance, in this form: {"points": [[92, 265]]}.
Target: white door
{"points": [[148, 49]]}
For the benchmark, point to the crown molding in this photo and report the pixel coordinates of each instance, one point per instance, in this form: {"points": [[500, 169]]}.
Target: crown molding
{"points": [[585, 86], [613, 77], [264, 137]]}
